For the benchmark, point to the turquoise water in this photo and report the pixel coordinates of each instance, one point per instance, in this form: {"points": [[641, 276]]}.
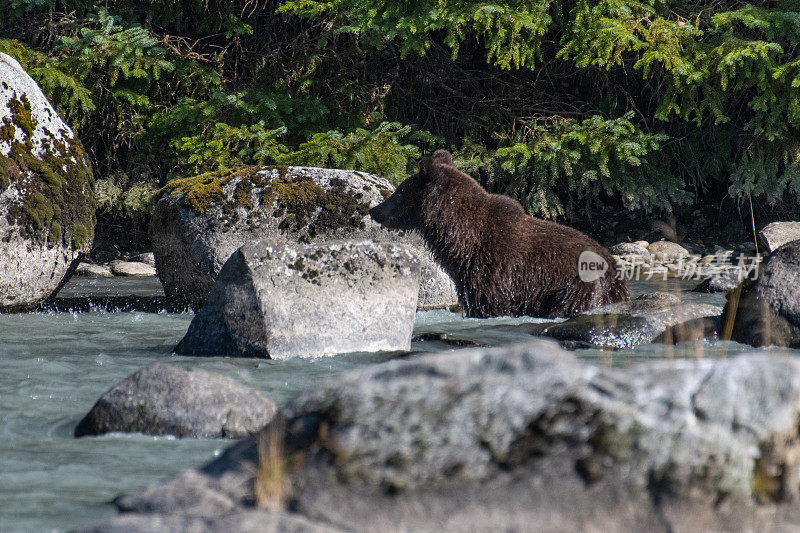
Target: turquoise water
{"points": [[54, 366]]}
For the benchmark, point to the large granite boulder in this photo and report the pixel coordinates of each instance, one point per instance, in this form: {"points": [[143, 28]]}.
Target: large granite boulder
{"points": [[766, 310], [199, 222], [162, 399], [776, 234], [502, 438], [308, 300], [623, 324], [46, 199]]}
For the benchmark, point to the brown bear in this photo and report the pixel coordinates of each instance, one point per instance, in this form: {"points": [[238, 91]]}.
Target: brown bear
{"points": [[502, 260]]}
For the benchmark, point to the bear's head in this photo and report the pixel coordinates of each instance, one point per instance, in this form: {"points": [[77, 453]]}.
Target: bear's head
{"points": [[402, 210]]}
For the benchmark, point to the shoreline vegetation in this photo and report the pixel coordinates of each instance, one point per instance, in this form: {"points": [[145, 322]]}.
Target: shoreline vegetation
{"points": [[581, 111]]}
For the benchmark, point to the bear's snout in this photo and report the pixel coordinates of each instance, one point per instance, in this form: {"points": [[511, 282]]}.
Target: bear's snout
{"points": [[378, 214]]}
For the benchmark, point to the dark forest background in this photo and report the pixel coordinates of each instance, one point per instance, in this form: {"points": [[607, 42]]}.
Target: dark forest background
{"points": [[569, 106]]}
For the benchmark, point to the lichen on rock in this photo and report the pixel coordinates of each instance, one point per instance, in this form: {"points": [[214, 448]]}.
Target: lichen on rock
{"points": [[49, 173], [303, 205], [47, 206]]}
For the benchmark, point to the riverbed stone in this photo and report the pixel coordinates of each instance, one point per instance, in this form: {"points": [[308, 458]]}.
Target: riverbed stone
{"points": [[131, 269], [148, 258], [766, 311], [667, 251], [162, 399], [502, 438], [199, 222], [93, 270], [776, 234], [622, 324], [309, 300], [722, 281], [46, 200], [627, 249]]}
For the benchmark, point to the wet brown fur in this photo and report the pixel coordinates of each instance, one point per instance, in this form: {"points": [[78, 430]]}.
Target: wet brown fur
{"points": [[502, 260]]}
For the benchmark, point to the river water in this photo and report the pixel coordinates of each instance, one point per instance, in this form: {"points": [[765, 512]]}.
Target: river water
{"points": [[54, 366]]}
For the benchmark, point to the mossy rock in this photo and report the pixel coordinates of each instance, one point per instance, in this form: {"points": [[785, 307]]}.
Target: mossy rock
{"points": [[305, 206], [47, 207], [50, 174]]}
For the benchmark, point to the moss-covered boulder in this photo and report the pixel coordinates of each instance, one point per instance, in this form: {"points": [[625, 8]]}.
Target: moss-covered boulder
{"points": [[200, 221], [46, 200]]}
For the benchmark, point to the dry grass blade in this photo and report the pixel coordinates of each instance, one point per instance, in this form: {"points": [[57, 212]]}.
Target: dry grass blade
{"points": [[271, 485]]}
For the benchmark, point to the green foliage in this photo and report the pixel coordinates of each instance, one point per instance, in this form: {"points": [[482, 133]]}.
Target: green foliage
{"points": [[587, 158], [646, 103], [381, 151], [512, 30], [16, 9], [119, 194]]}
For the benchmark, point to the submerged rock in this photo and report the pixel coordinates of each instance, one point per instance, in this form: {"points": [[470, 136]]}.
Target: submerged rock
{"points": [[502, 438], [766, 310], [201, 221], [623, 324], [776, 234], [46, 200], [696, 329], [722, 282], [308, 300], [162, 399]]}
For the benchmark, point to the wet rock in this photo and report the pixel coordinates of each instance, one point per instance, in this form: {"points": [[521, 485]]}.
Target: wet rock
{"points": [[203, 220], [692, 330], [309, 300], [667, 251], [502, 438], [776, 234], [93, 270], [766, 311], [131, 269], [162, 399], [623, 324], [721, 282], [46, 199], [454, 341]]}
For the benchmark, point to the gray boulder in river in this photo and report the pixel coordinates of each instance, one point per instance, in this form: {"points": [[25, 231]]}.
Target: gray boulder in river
{"points": [[308, 300], [201, 221], [503, 438], [766, 311], [46, 199], [162, 399], [776, 234], [623, 324], [722, 282]]}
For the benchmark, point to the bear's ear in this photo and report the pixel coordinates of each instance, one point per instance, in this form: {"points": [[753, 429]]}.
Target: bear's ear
{"points": [[425, 167], [442, 157]]}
